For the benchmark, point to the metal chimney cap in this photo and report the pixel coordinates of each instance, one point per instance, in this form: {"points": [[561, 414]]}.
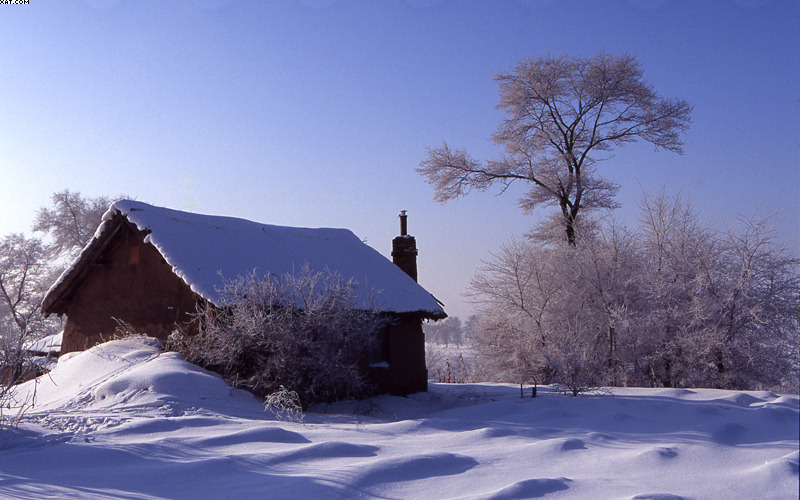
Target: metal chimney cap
{"points": [[403, 223]]}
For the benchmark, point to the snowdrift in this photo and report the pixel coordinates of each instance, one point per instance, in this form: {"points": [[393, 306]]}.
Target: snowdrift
{"points": [[126, 420]]}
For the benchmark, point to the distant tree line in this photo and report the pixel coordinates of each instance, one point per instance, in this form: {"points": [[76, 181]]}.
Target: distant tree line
{"points": [[450, 331]]}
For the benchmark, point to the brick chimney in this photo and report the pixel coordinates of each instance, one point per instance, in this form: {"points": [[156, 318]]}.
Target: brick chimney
{"points": [[404, 249]]}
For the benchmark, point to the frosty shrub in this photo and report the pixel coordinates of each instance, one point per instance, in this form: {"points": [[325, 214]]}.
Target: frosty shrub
{"points": [[300, 331], [125, 330], [15, 367], [285, 405]]}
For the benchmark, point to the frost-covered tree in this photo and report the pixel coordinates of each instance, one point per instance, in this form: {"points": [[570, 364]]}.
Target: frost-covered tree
{"points": [[673, 303], [723, 307], [513, 293], [758, 304], [471, 328], [29, 265], [565, 115], [71, 220], [25, 276], [551, 312], [603, 269], [445, 331]]}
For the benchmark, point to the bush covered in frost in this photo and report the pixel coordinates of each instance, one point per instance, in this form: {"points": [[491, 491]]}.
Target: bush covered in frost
{"points": [[301, 332]]}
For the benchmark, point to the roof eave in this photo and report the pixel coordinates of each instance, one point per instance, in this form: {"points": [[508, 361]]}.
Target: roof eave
{"points": [[54, 301]]}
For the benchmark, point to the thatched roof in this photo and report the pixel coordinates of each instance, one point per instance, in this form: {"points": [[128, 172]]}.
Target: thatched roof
{"points": [[204, 250]]}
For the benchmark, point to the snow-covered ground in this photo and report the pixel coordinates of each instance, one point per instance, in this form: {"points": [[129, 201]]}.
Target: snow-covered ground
{"points": [[125, 420]]}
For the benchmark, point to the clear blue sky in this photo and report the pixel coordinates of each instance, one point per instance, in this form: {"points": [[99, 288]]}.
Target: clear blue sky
{"points": [[316, 112]]}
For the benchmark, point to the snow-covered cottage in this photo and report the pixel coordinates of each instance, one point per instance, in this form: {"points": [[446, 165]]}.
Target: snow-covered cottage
{"points": [[150, 267]]}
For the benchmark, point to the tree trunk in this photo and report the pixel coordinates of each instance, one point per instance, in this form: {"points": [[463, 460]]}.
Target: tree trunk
{"points": [[612, 362], [570, 233], [571, 217]]}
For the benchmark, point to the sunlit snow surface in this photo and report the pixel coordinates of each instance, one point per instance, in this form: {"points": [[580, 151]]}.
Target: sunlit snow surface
{"points": [[125, 420]]}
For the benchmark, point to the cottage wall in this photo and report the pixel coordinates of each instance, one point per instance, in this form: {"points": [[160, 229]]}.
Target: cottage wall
{"points": [[404, 371], [130, 281]]}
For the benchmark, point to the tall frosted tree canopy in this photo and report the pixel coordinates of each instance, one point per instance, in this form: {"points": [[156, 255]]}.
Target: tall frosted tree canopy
{"points": [[72, 219], [565, 114]]}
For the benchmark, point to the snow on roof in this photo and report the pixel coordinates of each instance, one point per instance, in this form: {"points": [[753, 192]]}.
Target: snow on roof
{"points": [[205, 250], [51, 344]]}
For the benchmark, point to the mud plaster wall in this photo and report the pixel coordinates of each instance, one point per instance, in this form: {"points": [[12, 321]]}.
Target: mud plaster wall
{"points": [[130, 281], [405, 352]]}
